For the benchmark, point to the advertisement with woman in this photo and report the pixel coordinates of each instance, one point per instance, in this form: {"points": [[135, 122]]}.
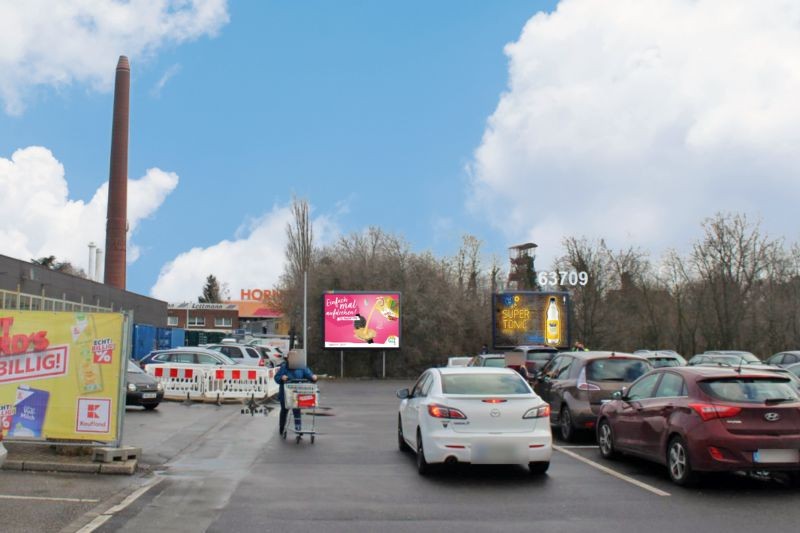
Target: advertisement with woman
{"points": [[361, 320]]}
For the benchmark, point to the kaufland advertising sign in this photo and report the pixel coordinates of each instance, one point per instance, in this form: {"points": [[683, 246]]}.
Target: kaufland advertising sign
{"points": [[61, 375]]}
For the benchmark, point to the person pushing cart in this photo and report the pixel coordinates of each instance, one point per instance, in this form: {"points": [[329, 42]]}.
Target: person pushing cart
{"points": [[297, 390]]}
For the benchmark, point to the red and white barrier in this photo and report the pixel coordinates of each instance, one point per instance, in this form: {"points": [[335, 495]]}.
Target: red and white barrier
{"points": [[214, 383]]}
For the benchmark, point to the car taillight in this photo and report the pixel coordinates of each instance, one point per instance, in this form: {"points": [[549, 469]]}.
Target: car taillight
{"points": [[261, 362], [494, 400], [442, 411], [709, 411], [538, 412], [583, 384]]}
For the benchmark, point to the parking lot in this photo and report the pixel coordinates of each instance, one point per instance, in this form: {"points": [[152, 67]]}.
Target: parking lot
{"points": [[216, 470]]}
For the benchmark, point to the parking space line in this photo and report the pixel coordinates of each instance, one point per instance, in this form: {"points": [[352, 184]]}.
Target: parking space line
{"points": [[46, 498], [106, 516], [614, 473]]}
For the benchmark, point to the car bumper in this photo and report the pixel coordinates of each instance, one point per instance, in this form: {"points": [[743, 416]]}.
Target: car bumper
{"points": [[480, 448], [137, 398], [738, 452]]}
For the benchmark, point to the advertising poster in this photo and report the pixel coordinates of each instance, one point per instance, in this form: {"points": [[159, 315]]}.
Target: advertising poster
{"points": [[526, 317], [361, 320], [60, 375]]}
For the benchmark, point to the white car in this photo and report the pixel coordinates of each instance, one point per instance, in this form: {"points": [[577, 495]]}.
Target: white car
{"points": [[475, 415], [458, 361], [242, 354]]}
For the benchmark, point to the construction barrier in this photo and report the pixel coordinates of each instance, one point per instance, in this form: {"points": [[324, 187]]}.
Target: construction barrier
{"points": [[215, 383]]}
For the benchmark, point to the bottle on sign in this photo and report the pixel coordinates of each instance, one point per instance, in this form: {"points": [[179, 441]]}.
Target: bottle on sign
{"points": [[553, 324], [90, 378]]}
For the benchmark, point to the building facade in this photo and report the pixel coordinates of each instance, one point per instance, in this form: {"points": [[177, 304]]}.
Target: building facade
{"points": [[222, 317]]}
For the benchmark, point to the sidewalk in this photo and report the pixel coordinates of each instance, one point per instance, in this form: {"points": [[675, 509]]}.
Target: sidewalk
{"points": [[48, 458]]}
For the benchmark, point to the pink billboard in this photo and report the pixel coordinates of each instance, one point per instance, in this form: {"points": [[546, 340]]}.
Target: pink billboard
{"points": [[362, 320]]}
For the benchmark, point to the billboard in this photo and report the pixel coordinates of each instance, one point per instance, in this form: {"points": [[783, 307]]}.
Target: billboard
{"points": [[526, 317], [61, 375], [361, 320]]}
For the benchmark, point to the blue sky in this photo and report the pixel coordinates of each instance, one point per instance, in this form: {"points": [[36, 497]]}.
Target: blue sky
{"points": [[631, 121], [371, 110]]}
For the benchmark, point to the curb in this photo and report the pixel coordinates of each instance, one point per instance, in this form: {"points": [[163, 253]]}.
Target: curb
{"points": [[119, 467]]}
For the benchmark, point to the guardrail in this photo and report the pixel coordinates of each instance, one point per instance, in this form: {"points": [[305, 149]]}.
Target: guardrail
{"points": [[214, 383]]}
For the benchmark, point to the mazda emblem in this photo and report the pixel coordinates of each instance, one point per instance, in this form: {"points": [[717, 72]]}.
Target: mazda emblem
{"points": [[495, 413], [772, 417]]}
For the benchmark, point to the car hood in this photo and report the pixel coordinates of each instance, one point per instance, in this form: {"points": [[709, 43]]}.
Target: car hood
{"points": [[141, 379]]}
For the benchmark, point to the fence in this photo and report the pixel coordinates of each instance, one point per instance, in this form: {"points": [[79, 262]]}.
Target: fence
{"points": [[180, 382]]}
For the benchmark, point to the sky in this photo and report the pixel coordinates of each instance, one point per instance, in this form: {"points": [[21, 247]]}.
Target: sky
{"points": [[513, 121]]}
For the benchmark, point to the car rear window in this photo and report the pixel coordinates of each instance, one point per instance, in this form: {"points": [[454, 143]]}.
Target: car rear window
{"points": [[660, 362], [484, 384], [495, 362], [616, 369], [539, 356], [750, 390]]}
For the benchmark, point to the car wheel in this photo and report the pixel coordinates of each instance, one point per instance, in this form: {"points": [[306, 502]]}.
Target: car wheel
{"points": [[422, 465], [565, 425], [151, 406], [401, 440], [539, 468], [678, 464], [605, 440]]}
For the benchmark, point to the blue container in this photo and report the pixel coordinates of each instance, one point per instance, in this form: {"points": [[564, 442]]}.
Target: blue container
{"points": [[144, 340]]}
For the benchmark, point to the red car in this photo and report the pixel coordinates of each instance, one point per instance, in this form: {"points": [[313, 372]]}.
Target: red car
{"points": [[701, 419]]}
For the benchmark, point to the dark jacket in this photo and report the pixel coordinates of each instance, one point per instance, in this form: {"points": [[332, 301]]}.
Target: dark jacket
{"points": [[297, 373]]}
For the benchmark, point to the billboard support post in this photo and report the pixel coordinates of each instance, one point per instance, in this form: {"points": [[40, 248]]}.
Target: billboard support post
{"points": [[341, 363], [127, 337], [384, 363]]}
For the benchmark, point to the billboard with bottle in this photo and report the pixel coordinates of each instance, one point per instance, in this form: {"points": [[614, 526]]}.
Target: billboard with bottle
{"points": [[530, 317], [61, 375], [361, 320]]}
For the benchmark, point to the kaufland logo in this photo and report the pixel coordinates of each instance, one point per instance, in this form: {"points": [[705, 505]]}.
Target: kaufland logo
{"points": [[94, 415]]}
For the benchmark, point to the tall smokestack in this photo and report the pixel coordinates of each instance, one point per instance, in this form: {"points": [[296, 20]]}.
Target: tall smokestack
{"points": [[91, 273], [98, 266], [117, 218]]}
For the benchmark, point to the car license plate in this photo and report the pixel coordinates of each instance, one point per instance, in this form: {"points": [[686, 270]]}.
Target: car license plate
{"points": [[148, 395], [776, 456], [496, 453]]}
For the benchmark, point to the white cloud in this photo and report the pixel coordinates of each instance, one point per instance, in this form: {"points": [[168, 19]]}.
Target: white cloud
{"points": [[635, 119], [58, 43], [253, 259], [162, 81], [37, 217]]}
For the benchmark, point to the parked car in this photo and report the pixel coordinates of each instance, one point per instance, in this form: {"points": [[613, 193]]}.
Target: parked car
{"points": [[661, 358], [536, 356], [576, 384], [3, 451], [771, 369], [724, 357], [705, 419], [273, 353], [474, 415], [459, 360], [187, 355], [494, 360], [142, 389], [242, 353], [784, 359], [794, 369]]}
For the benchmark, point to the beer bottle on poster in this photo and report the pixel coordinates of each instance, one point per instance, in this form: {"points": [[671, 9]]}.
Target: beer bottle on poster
{"points": [[90, 378], [553, 324]]}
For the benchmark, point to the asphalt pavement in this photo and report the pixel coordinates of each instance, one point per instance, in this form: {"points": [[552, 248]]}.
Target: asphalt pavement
{"points": [[354, 479], [209, 468]]}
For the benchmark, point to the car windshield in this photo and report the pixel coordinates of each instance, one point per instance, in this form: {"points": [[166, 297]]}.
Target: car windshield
{"points": [[495, 362], [616, 369], [484, 384], [659, 362], [133, 368], [215, 348], [751, 390]]}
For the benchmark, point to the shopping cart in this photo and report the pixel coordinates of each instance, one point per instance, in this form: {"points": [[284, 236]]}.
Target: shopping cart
{"points": [[302, 395]]}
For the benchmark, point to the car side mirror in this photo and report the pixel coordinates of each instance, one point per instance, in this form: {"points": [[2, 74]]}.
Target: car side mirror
{"points": [[617, 395], [402, 394]]}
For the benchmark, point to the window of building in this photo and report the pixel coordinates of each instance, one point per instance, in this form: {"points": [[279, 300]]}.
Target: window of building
{"points": [[223, 322], [197, 320], [172, 321]]}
